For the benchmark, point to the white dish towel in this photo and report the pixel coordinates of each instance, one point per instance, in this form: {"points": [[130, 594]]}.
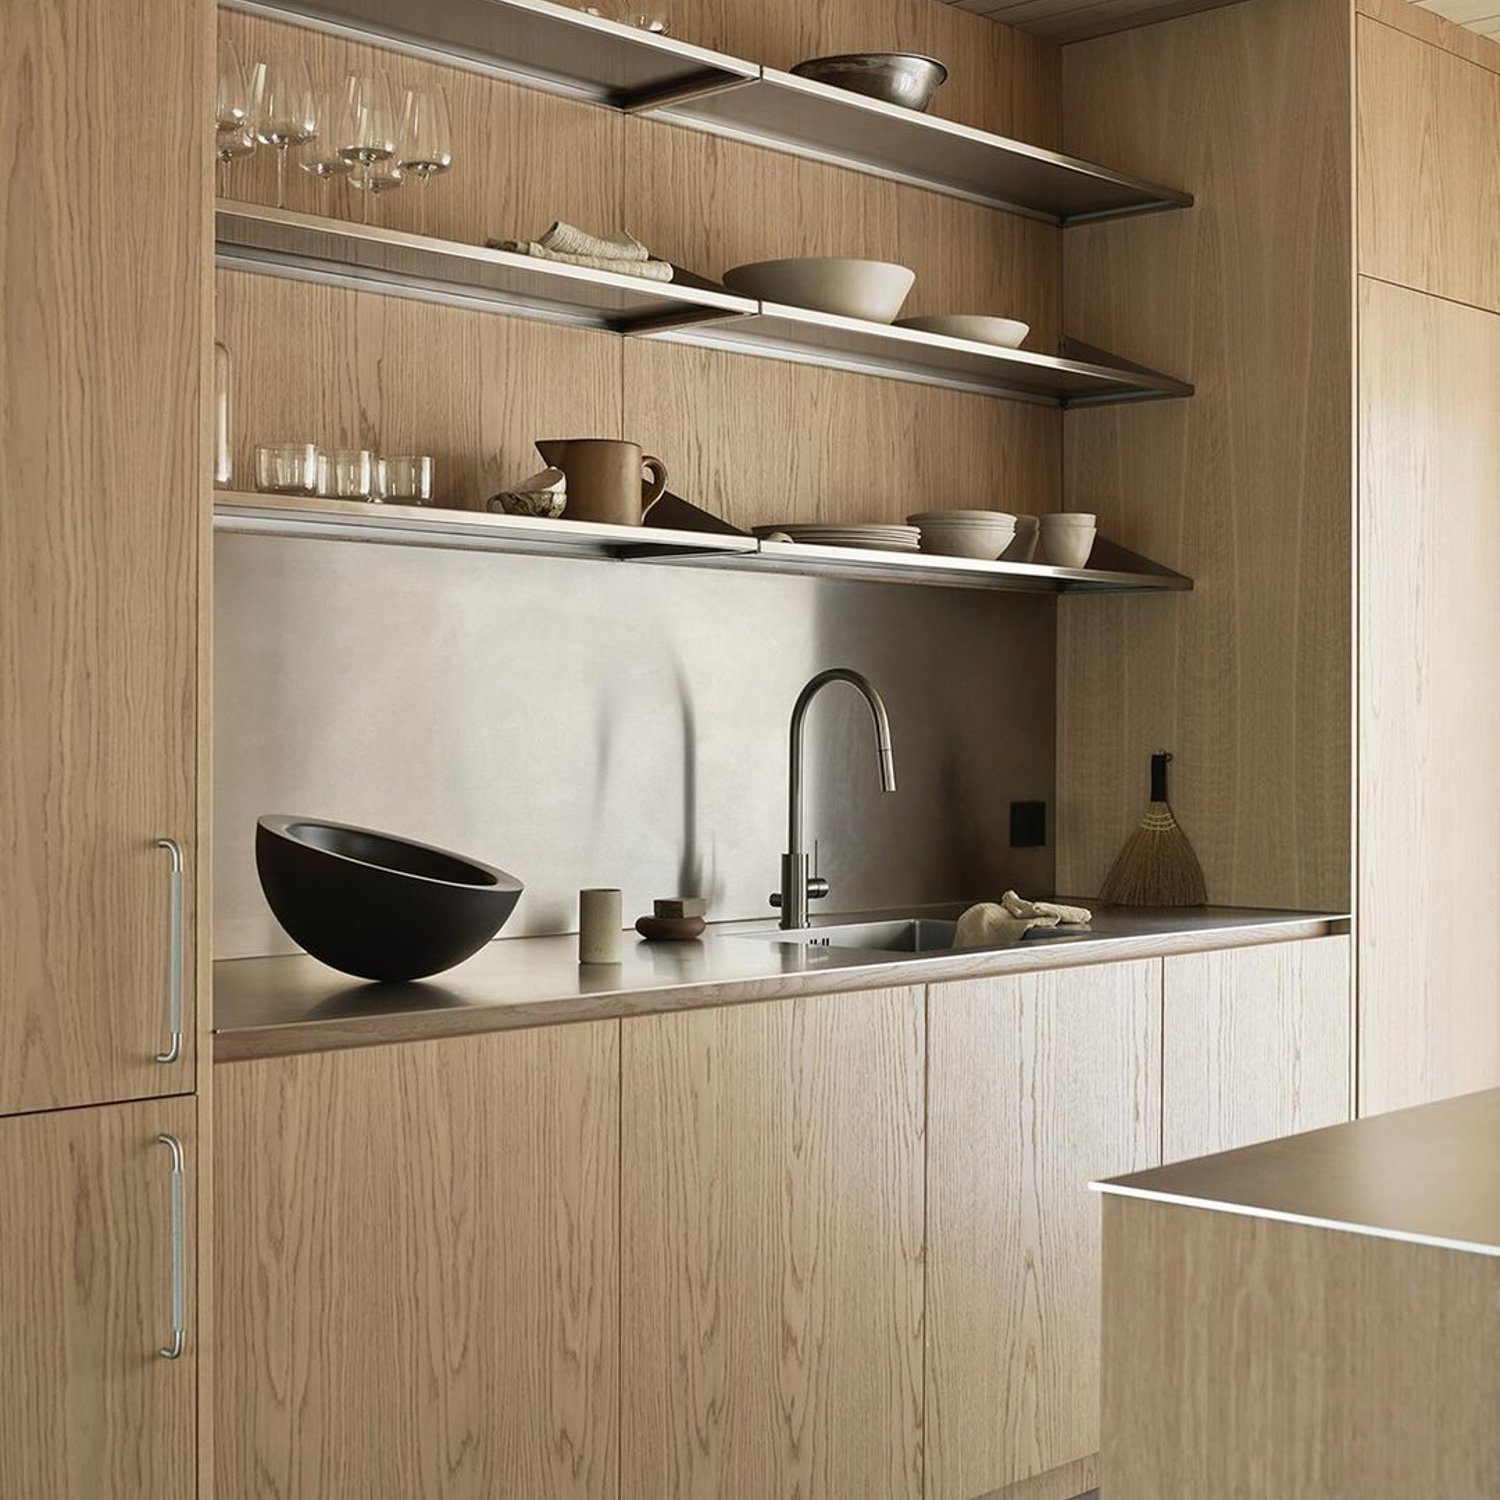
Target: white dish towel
{"points": [[577, 247], [988, 925]]}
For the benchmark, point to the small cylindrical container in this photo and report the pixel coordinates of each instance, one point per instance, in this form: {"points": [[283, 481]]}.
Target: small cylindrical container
{"points": [[287, 469], [405, 479], [600, 926], [223, 459], [346, 473]]}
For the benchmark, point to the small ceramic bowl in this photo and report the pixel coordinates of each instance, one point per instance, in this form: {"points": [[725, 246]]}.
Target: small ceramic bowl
{"points": [[870, 289], [544, 495], [979, 534], [1003, 333], [1023, 548], [1068, 538]]}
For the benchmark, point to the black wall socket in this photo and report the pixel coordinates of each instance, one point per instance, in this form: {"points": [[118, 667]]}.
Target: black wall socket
{"points": [[1028, 825]]}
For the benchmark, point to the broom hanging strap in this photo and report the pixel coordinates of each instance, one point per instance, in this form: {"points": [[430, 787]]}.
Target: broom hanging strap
{"points": [[1159, 775]]}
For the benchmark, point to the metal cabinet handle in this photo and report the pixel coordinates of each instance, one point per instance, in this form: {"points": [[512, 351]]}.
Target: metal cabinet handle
{"points": [[174, 980], [179, 1254]]}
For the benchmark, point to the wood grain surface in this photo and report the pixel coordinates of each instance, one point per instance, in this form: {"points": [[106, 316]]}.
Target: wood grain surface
{"points": [[1247, 1357], [1256, 1044], [1429, 167], [1418, 21], [416, 1260], [88, 1410], [1429, 975], [1246, 487], [101, 442], [772, 1195], [1077, 20], [1036, 1085]]}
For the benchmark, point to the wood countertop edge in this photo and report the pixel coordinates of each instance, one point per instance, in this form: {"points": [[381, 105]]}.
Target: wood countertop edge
{"points": [[283, 1039]]}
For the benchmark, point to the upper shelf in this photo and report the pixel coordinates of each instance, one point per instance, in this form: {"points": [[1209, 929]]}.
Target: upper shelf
{"points": [[557, 48], [1111, 569], [280, 242]]}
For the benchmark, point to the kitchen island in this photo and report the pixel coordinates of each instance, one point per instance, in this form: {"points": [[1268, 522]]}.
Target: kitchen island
{"points": [[1312, 1316]]}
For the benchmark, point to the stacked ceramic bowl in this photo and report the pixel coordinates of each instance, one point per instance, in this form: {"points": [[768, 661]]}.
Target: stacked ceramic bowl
{"points": [[980, 534], [1067, 538], [879, 537]]}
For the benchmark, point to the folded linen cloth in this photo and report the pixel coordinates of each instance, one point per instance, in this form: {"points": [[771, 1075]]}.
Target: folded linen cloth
{"points": [[577, 247], [989, 925]]}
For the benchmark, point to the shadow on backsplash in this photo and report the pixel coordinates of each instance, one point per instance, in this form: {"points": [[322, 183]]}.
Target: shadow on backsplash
{"points": [[581, 723]]}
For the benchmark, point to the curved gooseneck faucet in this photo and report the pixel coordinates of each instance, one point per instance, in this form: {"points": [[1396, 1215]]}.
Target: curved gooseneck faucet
{"points": [[797, 884]]}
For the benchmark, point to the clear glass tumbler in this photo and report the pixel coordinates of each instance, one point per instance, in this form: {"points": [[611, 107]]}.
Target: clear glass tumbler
{"points": [[405, 480], [287, 469], [346, 473]]}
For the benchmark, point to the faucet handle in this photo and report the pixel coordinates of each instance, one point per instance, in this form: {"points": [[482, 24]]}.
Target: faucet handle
{"points": [[816, 887]]}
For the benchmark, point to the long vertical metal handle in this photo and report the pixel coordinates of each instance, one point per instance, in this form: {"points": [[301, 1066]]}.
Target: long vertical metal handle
{"points": [[174, 980], [179, 1252]]}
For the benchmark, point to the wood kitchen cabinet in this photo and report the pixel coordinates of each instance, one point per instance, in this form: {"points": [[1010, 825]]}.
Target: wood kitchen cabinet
{"points": [[771, 1239], [1037, 1083], [103, 303], [89, 1409], [416, 1270], [1256, 1044]]}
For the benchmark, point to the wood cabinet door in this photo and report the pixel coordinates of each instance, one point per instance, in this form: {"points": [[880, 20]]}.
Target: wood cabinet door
{"points": [[771, 1328], [89, 1410], [416, 1270], [103, 287], [1037, 1084], [1255, 1044]]}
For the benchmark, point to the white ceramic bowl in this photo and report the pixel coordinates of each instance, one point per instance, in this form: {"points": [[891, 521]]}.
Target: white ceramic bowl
{"points": [[1068, 518], [869, 289], [1067, 539], [1004, 333], [1023, 548], [981, 534]]}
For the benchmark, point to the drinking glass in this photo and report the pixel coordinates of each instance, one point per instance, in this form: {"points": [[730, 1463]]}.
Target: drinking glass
{"points": [[346, 473], [369, 130], [286, 113], [426, 141], [287, 468], [404, 480], [378, 178], [322, 158], [233, 135]]}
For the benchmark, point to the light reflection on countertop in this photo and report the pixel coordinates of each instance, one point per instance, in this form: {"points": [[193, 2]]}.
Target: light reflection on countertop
{"points": [[292, 1003]]}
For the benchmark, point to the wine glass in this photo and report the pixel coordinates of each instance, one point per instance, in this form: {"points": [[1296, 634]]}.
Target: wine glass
{"points": [[233, 135], [376, 179], [322, 158], [426, 141], [369, 131], [286, 113]]}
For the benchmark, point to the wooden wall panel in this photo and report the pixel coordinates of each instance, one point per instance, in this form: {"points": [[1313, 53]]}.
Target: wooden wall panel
{"points": [[1429, 803], [1036, 1085], [1256, 1044], [416, 1261], [1429, 167], [1452, 36], [102, 337], [771, 1240], [1247, 487]]}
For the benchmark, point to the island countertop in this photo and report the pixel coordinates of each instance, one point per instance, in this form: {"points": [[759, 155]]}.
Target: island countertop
{"points": [[1427, 1176], [274, 1006]]}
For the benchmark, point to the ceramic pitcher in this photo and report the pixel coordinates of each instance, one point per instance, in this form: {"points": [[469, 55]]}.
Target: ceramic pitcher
{"points": [[605, 478]]}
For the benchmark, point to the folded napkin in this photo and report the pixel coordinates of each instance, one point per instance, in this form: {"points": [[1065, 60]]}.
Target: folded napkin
{"points": [[999, 926], [572, 246]]}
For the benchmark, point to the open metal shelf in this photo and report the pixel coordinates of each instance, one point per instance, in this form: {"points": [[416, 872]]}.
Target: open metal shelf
{"points": [[563, 50], [1112, 569], [279, 242]]}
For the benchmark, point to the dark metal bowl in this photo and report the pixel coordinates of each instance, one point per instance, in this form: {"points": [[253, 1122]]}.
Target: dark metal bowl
{"points": [[904, 78], [378, 906]]}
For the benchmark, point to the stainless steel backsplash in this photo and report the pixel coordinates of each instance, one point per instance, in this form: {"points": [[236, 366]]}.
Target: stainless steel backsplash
{"points": [[599, 723]]}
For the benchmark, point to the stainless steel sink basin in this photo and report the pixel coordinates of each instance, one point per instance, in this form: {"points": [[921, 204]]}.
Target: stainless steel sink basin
{"points": [[894, 935]]}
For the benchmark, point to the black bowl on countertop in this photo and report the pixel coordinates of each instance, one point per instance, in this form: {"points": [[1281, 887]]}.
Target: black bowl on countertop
{"points": [[378, 906]]}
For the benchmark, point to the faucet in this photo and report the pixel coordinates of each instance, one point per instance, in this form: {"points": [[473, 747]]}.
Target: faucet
{"points": [[798, 885]]}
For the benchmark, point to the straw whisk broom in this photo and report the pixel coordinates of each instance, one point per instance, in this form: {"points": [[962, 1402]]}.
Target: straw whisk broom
{"points": [[1157, 866]]}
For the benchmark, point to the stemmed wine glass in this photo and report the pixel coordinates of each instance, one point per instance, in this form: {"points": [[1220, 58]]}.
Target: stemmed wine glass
{"points": [[323, 158], [426, 141], [369, 131], [286, 113], [233, 134], [378, 178]]}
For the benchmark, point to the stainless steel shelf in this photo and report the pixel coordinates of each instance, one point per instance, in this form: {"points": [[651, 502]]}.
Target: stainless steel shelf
{"points": [[1112, 570], [563, 50], [808, 337], [278, 242], [314, 517], [786, 113]]}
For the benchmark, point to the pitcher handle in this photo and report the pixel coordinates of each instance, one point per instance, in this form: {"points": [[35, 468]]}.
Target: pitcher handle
{"points": [[658, 486]]}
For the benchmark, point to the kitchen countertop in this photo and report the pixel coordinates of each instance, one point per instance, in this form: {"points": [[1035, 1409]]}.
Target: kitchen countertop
{"points": [[1427, 1176], [265, 1007]]}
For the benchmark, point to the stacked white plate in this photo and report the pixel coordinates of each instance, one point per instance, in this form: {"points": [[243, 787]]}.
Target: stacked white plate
{"points": [[882, 538]]}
